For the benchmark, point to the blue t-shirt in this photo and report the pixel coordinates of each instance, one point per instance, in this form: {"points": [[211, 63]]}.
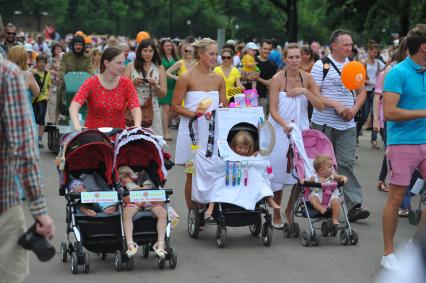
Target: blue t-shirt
{"points": [[405, 80]]}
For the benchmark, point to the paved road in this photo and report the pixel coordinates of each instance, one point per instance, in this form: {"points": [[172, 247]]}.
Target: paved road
{"points": [[244, 259]]}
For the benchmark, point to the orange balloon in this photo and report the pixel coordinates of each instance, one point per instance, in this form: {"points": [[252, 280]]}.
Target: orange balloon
{"points": [[142, 35], [80, 33], [353, 75], [88, 40]]}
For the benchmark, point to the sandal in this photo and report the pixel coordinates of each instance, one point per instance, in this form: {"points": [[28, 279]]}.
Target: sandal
{"points": [[382, 187], [208, 217], [132, 251], [159, 251], [374, 145]]}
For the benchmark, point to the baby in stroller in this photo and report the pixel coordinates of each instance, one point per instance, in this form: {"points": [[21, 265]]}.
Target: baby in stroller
{"points": [[77, 185], [128, 179], [324, 174], [243, 144]]}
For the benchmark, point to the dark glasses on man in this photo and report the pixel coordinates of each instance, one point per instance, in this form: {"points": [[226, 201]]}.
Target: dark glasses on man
{"points": [[11, 33], [226, 57]]}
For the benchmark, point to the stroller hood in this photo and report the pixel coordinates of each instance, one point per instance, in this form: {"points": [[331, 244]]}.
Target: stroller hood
{"points": [[89, 150], [141, 150]]}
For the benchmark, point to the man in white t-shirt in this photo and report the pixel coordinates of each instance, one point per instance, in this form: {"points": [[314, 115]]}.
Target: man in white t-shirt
{"points": [[337, 119]]}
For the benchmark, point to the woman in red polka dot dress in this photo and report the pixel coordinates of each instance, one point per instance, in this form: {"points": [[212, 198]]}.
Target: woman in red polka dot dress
{"points": [[108, 95]]}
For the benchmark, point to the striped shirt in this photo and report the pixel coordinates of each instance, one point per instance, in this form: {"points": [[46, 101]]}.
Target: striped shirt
{"points": [[18, 153], [332, 88]]}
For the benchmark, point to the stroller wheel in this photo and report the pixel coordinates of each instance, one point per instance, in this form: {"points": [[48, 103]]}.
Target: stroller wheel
{"points": [[161, 263], [344, 237], [74, 263], [287, 231], [324, 229], [86, 266], [305, 239], [193, 222], [296, 230], [221, 237], [267, 235], [314, 239], [130, 263], [64, 252], [255, 228], [172, 258], [117, 261], [353, 237], [145, 250]]}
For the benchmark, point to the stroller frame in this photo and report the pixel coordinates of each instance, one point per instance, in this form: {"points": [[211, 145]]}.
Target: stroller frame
{"points": [[303, 208]]}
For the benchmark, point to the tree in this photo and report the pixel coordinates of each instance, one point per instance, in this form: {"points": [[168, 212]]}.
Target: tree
{"points": [[291, 10]]}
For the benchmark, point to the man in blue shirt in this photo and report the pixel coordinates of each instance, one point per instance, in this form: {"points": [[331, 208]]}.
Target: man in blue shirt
{"points": [[405, 111]]}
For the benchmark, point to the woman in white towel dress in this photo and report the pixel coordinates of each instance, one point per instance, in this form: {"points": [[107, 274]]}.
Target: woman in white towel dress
{"points": [[198, 83], [290, 91]]}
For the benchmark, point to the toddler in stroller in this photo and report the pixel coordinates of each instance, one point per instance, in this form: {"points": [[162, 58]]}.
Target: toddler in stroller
{"points": [[127, 179], [323, 166], [77, 186]]}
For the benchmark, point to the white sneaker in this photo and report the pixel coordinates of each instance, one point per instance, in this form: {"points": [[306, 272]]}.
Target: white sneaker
{"points": [[390, 262]]}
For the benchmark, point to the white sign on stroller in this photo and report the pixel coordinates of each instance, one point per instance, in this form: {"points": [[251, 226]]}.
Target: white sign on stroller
{"points": [[98, 197], [147, 195]]}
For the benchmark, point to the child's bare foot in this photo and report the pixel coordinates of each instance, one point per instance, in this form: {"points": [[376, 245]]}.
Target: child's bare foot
{"points": [[110, 209], [272, 203], [87, 211], [323, 210]]}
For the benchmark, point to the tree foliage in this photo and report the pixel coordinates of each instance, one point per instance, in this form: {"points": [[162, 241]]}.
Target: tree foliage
{"points": [[244, 19]]}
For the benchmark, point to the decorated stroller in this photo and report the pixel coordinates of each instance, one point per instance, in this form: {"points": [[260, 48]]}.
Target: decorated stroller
{"points": [[315, 143], [140, 150], [238, 198], [88, 154]]}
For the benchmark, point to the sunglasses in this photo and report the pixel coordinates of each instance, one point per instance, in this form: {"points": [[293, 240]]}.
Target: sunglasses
{"points": [[11, 33], [187, 51], [226, 57]]}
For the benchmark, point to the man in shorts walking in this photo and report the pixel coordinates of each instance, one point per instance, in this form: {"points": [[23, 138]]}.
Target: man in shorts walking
{"points": [[405, 112]]}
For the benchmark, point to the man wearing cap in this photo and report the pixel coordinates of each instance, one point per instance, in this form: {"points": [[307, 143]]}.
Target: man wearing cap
{"points": [[73, 61], [267, 71], [40, 46]]}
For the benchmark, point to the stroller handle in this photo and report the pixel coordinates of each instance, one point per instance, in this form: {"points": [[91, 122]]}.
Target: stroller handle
{"points": [[318, 185], [191, 128], [77, 195]]}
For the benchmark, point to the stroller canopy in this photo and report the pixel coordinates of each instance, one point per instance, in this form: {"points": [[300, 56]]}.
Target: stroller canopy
{"points": [[89, 150], [141, 150]]}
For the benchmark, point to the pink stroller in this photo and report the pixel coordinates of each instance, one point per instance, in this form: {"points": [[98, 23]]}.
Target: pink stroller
{"points": [[315, 143]]}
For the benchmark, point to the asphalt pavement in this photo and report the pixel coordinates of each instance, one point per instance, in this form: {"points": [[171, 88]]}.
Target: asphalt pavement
{"points": [[244, 259]]}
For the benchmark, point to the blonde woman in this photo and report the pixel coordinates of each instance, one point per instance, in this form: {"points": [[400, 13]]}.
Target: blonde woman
{"points": [[196, 84]]}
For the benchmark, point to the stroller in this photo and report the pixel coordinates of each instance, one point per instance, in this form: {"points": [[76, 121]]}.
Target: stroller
{"points": [[88, 153], [140, 150], [229, 209], [315, 143]]}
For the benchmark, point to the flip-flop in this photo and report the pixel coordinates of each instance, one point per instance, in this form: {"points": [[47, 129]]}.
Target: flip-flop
{"points": [[168, 139], [278, 226], [132, 251], [160, 252]]}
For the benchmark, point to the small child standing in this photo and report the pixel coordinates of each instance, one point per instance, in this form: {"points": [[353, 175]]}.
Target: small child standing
{"points": [[249, 68], [323, 166], [44, 81], [127, 179], [243, 144]]}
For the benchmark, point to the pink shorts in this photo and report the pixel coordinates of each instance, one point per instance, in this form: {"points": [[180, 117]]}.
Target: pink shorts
{"points": [[403, 160]]}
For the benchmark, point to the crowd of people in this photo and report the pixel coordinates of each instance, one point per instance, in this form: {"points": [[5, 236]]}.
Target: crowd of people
{"points": [[160, 83]]}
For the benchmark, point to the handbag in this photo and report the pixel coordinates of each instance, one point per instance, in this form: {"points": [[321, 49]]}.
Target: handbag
{"points": [[147, 113]]}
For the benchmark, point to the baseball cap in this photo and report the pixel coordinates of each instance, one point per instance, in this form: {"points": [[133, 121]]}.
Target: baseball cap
{"points": [[251, 45], [28, 47]]}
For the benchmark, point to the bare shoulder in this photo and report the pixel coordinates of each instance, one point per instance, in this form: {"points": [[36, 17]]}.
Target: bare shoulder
{"points": [[278, 75]]}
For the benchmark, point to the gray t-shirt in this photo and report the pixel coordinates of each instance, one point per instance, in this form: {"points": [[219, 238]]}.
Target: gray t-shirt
{"points": [[332, 88]]}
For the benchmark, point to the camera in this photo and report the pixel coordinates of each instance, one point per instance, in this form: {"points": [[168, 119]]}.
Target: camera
{"points": [[145, 80], [31, 240]]}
